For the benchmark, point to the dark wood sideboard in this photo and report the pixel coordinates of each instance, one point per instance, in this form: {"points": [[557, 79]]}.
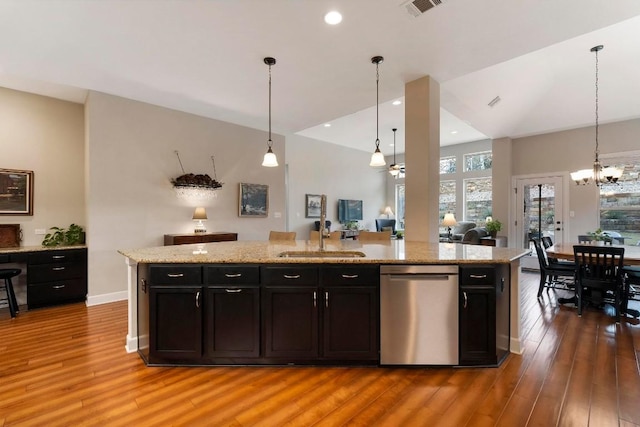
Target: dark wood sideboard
{"points": [[183, 239]]}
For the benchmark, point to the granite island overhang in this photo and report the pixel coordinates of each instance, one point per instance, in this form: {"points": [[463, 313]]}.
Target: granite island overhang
{"points": [[269, 252]]}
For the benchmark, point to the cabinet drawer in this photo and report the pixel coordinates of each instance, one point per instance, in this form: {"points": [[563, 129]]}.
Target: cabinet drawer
{"points": [[51, 293], [290, 275], [51, 272], [56, 256], [175, 274], [230, 274], [477, 275], [350, 275]]}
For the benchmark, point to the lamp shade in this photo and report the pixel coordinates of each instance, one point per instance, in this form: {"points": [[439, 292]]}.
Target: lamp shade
{"points": [[199, 214], [449, 220], [270, 159], [377, 159], [388, 211]]}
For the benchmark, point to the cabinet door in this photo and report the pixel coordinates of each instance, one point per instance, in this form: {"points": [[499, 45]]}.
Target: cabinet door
{"points": [[175, 326], [350, 322], [232, 326], [477, 325], [290, 319]]}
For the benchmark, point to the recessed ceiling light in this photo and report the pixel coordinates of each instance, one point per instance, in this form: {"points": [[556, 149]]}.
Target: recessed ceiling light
{"points": [[453, 132], [327, 125], [397, 102], [333, 18]]}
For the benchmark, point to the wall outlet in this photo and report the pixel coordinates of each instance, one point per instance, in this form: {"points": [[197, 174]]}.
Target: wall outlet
{"points": [[41, 231]]}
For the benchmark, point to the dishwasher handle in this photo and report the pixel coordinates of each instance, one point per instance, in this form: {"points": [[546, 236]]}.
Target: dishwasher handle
{"points": [[430, 277]]}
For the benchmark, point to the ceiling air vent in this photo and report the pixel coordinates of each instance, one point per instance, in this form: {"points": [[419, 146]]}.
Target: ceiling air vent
{"points": [[418, 7]]}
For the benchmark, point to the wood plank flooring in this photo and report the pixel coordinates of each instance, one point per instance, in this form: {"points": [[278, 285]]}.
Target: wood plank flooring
{"points": [[67, 366]]}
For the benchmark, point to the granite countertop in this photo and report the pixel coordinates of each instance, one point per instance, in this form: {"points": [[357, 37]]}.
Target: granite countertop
{"points": [[264, 252], [20, 249]]}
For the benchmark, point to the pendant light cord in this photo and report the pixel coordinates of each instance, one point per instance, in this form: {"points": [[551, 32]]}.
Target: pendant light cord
{"points": [[269, 143], [377, 104], [597, 148]]}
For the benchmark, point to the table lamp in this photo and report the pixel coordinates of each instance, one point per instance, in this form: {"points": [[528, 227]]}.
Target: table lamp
{"points": [[200, 214], [448, 221], [388, 212]]}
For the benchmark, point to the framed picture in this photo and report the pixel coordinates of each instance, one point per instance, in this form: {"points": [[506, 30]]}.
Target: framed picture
{"points": [[16, 192], [253, 200], [312, 206]]}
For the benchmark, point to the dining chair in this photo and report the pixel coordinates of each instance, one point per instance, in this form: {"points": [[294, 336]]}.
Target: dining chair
{"points": [[631, 276], [371, 236], [584, 239], [599, 276], [556, 275], [282, 235], [334, 235], [6, 274]]}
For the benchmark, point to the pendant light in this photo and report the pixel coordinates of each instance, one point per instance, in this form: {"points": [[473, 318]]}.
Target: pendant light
{"points": [[270, 159], [394, 169], [377, 158], [597, 173]]}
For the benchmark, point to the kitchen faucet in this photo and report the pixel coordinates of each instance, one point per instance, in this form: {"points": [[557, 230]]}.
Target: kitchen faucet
{"points": [[323, 218]]}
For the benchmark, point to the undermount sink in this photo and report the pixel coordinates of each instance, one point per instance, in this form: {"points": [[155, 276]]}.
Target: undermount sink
{"points": [[322, 254]]}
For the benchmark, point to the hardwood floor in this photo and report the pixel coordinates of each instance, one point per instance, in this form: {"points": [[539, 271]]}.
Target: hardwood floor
{"points": [[67, 366]]}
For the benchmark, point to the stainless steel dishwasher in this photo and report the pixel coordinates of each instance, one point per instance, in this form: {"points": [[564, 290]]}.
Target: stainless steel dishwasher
{"points": [[419, 314]]}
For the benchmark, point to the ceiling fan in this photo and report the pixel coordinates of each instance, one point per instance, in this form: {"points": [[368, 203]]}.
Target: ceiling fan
{"points": [[395, 169]]}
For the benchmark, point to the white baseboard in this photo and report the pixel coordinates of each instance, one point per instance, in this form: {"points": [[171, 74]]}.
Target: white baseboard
{"points": [[106, 298], [132, 344], [516, 346]]}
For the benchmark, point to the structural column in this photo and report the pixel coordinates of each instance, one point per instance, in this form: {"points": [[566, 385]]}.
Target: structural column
{"points": [[422, 159]]}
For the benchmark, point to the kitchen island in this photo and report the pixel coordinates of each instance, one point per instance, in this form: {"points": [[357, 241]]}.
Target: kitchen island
{"points": [[201, 266]]}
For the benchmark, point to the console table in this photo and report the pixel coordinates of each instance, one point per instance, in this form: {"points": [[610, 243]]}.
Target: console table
{"points": [[183, 239], [498, 241], [55, 275]]}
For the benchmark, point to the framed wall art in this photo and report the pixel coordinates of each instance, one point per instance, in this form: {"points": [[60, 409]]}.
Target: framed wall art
{"points": [[16, 192], [312, 206], [253, 200]]}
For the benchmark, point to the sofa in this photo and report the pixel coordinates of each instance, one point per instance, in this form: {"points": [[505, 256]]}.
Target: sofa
{"points": [[458, 231], [473, 236]]}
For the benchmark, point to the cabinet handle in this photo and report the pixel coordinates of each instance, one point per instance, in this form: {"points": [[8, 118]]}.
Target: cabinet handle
{"points": [[502, 284], [198, 299], [315, 298], [291, 276], [233, 291], [464, 294], [58, 286], [232, 276], [175, 275], [58, 257], [349, 276], [57, 268], [326, 299], [478, 276]]}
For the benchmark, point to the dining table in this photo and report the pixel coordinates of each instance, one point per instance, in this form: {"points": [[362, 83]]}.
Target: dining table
{"points": [[565, 251], [631, 258]]}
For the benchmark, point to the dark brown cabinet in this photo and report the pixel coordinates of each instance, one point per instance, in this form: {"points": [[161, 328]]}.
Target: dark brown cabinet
{"points": [[56, 277], [182, 239], [484, 314], [232, 317], [176, 322], [175, 313], [250, 314]]}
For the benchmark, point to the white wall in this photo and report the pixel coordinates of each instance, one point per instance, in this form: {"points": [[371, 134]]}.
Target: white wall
{"points": [[131, 160], [316, 167], [44, 135]]}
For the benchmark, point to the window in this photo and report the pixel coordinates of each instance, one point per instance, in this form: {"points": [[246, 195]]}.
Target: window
{"points": [[447, 198], [620, 203], [400, 206], [477, 199], [477, 161], [448, 164]]}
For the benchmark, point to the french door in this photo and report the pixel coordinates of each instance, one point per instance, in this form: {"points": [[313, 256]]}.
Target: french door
{"points": [[539, 209]]}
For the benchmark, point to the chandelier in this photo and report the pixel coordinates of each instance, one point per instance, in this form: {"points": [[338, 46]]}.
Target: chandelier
{"points": [[597, 174], [199, 187]]}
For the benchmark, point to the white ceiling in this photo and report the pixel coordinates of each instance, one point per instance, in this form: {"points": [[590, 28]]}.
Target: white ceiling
{"points": [[206, 57]]}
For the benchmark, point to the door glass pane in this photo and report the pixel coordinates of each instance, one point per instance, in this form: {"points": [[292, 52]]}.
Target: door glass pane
{"points": [[539, 212], [400, 206]]}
